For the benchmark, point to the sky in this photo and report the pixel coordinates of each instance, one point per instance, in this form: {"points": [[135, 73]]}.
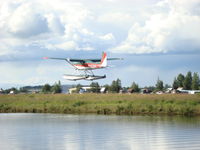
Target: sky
{"points": [[156, 38]]}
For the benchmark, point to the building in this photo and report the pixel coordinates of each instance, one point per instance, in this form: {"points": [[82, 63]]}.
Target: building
{"points": [[103, 90], [12, 92], [1, 91], [83, 89], [71, 90], [145, 91], [194, 91], [169, 90], [181, 90], [159, 92], [34, 90]]}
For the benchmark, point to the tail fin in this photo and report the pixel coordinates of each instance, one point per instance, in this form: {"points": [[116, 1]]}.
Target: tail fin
{"points": [[104, 60]]}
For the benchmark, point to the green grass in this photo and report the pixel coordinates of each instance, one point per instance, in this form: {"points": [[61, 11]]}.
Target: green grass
{"points": [[120, 104]]}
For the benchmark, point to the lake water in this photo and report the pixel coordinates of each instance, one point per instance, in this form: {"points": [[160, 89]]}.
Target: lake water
{"points": [[91, 132]]}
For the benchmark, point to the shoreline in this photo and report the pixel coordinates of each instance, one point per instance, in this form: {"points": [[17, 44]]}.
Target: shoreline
{"points": [[107, 104]]}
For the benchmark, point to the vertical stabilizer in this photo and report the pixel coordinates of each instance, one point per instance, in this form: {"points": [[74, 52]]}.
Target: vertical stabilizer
{"points": [[104, 60]]}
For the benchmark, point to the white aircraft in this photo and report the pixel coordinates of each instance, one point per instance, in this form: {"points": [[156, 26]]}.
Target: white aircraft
{"points": [[86, 65]]}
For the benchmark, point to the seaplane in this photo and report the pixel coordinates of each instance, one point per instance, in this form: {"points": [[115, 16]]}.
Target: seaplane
{"points": [[86, 65]]}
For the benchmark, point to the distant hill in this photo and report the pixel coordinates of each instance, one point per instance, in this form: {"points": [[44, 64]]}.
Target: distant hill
{"points": [[39, 88]]}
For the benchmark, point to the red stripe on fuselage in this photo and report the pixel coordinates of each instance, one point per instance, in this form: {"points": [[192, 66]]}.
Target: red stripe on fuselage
{"points": [[88, 65]]}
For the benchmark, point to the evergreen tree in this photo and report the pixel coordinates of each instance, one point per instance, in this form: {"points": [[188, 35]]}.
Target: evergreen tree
{"points": [[175, 84], [95, 87], [118, 84], [46, 88], [180, 80], [187, 84], [135, 87], [195, 81], [56, 88], [112, 87], [115, 86], [59, 83], [159, 84]]}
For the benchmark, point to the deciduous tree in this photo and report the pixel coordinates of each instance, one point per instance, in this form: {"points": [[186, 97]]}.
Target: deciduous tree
{"points": [[95, 87]]}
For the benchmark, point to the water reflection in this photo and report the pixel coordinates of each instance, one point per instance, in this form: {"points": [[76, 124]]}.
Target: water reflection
{"points": [[83, 132]]}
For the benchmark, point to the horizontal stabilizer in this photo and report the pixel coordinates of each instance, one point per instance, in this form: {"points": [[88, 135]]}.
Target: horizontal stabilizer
{"points": [[115, 59]]}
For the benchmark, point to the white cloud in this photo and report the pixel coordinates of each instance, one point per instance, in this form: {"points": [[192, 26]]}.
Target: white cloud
{"points": [[53, 25], [176, 30], [25, 21], [4, 50], [107, 37], [121, 19], [69, 45], [172, 27]]}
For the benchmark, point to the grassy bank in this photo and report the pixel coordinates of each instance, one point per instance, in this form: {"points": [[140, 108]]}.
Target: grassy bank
{"points": [[120, 104]]}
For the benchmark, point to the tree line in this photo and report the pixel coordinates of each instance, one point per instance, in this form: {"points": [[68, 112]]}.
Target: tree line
{"points": [[190, 81], [187, 82], [56, 88], [115, 87]]}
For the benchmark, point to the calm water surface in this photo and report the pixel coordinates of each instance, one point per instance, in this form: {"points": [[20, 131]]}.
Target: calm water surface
{"points": [[91, 132]]}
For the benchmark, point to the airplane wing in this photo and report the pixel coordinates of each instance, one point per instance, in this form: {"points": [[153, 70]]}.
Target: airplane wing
{"points": [[70, 61], [82, 61], [96, 60], [54, 58], [67, 59]]}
